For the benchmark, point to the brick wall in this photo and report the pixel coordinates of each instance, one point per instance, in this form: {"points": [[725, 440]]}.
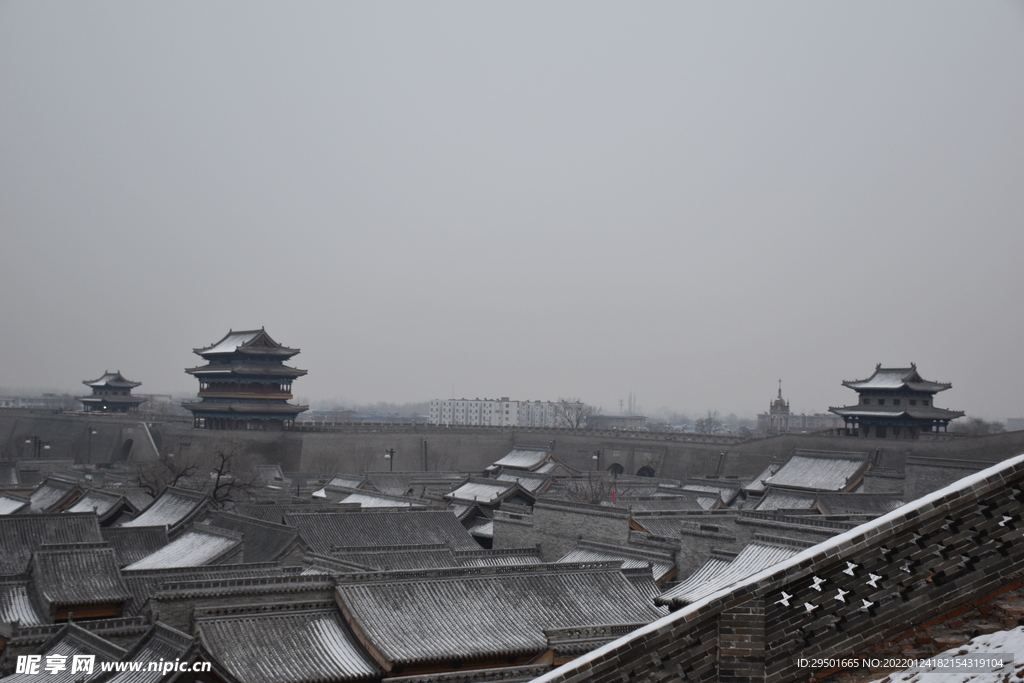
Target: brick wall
{"points": [[865, 591]]}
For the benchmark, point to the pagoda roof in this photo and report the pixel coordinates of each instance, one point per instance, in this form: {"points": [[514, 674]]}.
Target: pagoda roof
{"points": [[247, 342], [244, 370], [111, 379], [112, 399], [243, 408], [896, 378], [891, 412]]}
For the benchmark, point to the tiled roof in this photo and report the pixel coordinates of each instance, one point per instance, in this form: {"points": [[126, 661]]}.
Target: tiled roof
{"points": [[287, 646], [660, 563], [524, 459], [70, 641], [722, 571], [16, 604], [726, 489], [137, 496], [506, 674], [786, 499], [531, 481], [388, 558], [10, 504], [668, 503], [498, 557], [131, 544], [378, 500], [399, 483], [858, 503], [325, 531], [820, 471], [465, 614], [161, 643], [897, 378], [104, 503], [144, 583], [263, 541], [486, 491], [173, 509], [53, 494], [9, 473], [200, 545], [268, 512], [20, 535], [78, 574]]}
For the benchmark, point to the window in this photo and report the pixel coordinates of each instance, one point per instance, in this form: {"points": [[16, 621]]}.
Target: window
{"points": [[867, 401], [924, 401], [913, 401], [881, 401], [896, 402]]}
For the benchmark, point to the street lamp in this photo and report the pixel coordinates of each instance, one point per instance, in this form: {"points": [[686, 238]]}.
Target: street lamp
{"points": [[38, 446], [91, 432], [596, 457], [389, 455]]}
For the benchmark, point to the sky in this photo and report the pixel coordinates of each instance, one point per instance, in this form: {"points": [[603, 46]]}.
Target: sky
{"points": [[683, 201]]}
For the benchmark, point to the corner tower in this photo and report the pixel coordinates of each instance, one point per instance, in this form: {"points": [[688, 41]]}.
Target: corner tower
{"points": [[245, 384]]}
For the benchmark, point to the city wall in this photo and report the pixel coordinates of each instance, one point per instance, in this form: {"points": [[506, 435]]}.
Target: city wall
{"points": [[357, 448]]}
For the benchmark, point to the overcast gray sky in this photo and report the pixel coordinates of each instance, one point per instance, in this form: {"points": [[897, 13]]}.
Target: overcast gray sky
{"points": [[529, 199]]}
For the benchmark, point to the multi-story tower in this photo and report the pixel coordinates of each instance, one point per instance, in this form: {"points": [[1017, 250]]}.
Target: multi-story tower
{"points": [[111, 393], [245, 384], [895, 403]]}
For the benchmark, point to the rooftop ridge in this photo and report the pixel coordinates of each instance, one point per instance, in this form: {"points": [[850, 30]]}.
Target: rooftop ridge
{"points": [[407, 575], [249, 610]]}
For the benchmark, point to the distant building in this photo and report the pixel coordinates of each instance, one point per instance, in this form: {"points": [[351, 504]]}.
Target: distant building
{"points": [[245, 384], [493, 412], [895, 403], [111, 393], [625, 422], [779, 419]]}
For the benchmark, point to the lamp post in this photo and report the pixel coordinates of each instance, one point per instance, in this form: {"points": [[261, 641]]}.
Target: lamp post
{"points": [[38, 446], [596, 457], [91, 432], [389, 455]]}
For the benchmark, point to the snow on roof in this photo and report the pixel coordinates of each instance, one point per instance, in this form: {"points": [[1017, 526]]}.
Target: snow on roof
{"points": [[371, 500], [78, 574], [721, 572], [287, 647], [231, 342], [479, 491], [631, 558], [70, 641], [100, 502], [896, 378], [20, 535], [173, 508], [524, 459], [822, 471], [420, 617], [783, 499], [51, 493], [196, 547], [16, 605], [325, 531], [9, 506], [161, 643]]}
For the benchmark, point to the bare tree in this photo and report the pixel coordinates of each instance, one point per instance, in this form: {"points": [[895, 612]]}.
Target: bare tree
{"points": [[226, 474], [574, 413], [590, 489], [167, 470], [709, 424], [975, 426]]}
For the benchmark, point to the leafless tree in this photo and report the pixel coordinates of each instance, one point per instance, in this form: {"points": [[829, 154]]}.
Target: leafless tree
{"points": [[592, 489], [226, 474], [709, 424], [167, 470], [975, 426], [574, 413]]}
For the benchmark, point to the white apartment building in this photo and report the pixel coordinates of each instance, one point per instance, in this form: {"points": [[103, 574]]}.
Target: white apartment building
{"points": [[493, 412]]}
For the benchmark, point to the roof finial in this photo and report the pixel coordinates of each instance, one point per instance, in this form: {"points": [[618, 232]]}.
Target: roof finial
{"points": [[780, 387]]}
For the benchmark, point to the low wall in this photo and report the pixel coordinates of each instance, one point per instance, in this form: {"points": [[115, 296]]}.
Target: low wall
{"points": [[849, 596]]}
